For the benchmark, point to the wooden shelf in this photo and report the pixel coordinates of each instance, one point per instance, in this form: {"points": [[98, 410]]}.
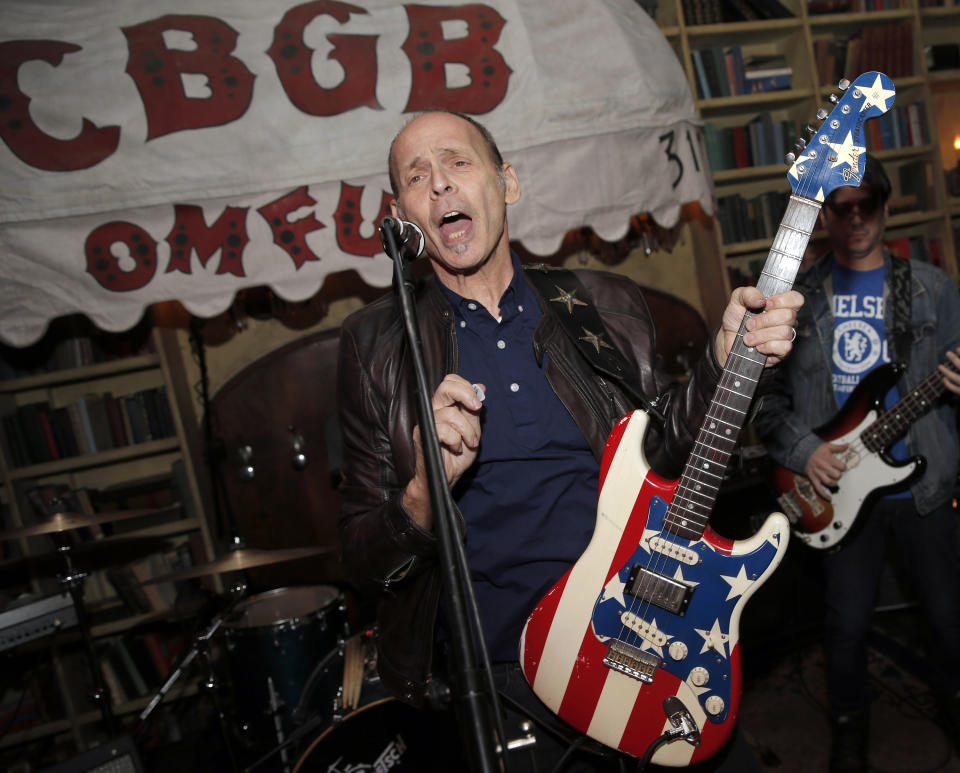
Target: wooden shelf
{"points": [[88, 373], [136, 472], [794, 39]]}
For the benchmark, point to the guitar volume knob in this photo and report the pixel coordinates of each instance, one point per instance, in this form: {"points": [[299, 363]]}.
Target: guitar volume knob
{"points": [[678, 650], [699, 676], [714, 705]]}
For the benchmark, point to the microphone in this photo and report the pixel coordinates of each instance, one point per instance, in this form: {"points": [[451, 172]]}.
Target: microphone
{"points": [[407, 237]]}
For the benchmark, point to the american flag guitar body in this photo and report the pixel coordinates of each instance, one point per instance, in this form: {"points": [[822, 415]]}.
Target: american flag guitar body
{"points": [[637, 645]]}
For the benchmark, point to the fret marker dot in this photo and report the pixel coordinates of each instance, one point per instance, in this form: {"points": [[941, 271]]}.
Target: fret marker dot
{"points": [[726, 431], [736, 383], [713, 425], [706, 465]]}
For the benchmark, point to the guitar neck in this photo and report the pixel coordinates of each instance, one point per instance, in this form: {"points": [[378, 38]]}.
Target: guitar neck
{"points": [[697, 490], [893, 424]]}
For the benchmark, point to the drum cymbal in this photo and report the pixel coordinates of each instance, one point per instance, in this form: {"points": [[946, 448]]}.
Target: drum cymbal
{"points": [[67, 521], [242, 558], [88, 556]]}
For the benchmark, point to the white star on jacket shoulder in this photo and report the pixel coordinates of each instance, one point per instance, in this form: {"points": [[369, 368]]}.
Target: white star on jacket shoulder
{"points": [[876, 95], [714, 639], [738, 584]]}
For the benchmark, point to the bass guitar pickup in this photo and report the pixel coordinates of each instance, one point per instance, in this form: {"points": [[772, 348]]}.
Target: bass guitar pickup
{"points": [[660, 590]]}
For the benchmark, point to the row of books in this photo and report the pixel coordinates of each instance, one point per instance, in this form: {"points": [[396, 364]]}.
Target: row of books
{"points": [[697, 12], [929, 250], [852, 6], [761, 142], [903, 126], [887, 48], [73, 342], [744, 220], [38, 432], [724, 71]]}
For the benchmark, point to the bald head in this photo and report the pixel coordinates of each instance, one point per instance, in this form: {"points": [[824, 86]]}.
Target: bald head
{"points": [[479, 128]]}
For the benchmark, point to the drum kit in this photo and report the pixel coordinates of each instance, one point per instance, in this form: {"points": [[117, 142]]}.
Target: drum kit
{"points": [[295, 690]]}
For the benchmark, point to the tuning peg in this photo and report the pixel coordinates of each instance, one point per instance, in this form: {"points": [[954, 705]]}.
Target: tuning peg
{"points": [[844, 84], [789, 158], [811, 130], [800, 144], [822, 113], [300, 460]]}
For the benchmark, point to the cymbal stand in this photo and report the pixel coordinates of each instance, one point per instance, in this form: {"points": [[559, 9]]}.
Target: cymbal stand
{"points": [[200, 646], [72, 580]]}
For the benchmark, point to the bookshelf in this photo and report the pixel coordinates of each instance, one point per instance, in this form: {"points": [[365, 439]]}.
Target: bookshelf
{"points": [[913, 41], [140, 455]]}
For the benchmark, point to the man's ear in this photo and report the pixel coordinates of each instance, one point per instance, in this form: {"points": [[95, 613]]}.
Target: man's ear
{"points": [[394, 210], [512, 188], [822, 218]]}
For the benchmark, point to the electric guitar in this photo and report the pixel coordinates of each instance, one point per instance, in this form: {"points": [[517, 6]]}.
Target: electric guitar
{"points": [[868, 431], [637, 645]]}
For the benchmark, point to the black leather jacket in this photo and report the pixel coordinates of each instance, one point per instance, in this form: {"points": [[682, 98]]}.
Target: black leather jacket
{"points": [[383, 550]]}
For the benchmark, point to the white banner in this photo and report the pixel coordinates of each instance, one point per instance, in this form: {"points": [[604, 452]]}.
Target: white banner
{"points": [[171, 150]]}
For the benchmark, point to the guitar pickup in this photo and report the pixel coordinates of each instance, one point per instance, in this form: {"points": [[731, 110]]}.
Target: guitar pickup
{"points": [[664, 592], [631, 661]]}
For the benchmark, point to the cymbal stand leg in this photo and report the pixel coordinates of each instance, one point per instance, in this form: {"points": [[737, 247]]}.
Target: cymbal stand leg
{"points": [[200, 646], [212, 686], [72, 580]]}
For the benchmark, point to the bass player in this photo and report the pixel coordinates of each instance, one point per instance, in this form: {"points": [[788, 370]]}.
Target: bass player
{"points": [[865, 307]]}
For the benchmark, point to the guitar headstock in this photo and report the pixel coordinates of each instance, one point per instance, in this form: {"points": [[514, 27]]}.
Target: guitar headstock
{"points": [[835, 155]]}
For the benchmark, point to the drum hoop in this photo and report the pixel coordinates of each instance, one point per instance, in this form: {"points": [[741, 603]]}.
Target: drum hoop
{"points": [[335, 725], [287, 623]]}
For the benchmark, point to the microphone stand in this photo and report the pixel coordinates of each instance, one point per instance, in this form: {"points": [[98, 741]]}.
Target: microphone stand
{"points": [[477, 724]]}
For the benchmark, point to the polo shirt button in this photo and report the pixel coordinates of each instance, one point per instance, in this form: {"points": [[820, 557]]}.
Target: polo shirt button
{"points": [[501, 344], [463, 323], [514, 387], [520, 307], [472, 306]]}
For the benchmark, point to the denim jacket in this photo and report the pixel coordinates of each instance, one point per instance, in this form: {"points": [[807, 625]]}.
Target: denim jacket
{"points": [[803, 398]]}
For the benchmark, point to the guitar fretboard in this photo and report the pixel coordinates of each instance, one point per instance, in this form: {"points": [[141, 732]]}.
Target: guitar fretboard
{"points": [[697, 490], [895, 422]]}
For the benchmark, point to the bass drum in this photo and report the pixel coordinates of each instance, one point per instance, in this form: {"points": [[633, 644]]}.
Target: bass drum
{"points": [[386, 735]]}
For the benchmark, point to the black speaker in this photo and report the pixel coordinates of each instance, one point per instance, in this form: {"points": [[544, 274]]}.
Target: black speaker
{"points": [[117, 756]]}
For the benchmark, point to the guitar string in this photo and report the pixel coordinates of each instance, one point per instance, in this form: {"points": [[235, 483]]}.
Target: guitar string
{"points": [[659, 561]]}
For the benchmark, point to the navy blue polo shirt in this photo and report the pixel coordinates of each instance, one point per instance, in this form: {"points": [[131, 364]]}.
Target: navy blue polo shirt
{"points": [[530, 499]]}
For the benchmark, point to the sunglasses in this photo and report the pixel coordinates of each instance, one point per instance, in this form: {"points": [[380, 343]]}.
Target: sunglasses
{"points": [[866, 207]]}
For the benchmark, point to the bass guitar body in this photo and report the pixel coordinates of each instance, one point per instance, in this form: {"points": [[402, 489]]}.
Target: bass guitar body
{"points": [[871, 472], [645, 614]]}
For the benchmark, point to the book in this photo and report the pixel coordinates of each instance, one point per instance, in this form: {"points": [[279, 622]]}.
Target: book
{"points": [[118, 432], [760, 81], [99, 423], [703, 85], [29, 417], [157, 599]]}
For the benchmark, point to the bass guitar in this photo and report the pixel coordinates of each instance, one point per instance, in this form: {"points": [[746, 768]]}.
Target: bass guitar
{"points": [[868, 431], [637, 645]]}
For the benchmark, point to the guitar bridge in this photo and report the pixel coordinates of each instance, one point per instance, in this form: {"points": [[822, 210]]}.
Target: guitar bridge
{"points": [[631, 661]]}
